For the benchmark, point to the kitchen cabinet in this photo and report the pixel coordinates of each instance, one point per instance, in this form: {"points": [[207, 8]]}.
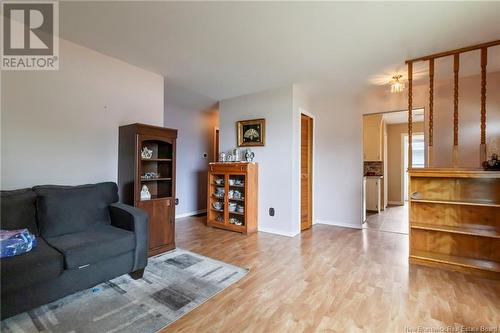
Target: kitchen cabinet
{"points": [[372, 137], [373, 194]]}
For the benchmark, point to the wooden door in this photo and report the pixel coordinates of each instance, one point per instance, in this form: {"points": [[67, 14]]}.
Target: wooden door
{"points": [[306, 172], [161, 225]]}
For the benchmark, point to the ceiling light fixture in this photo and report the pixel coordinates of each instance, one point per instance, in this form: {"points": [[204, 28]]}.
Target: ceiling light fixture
{"points": [[396, 85]]}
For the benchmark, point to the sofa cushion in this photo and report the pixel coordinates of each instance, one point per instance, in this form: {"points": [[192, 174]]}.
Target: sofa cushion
{"points": [[91, 246], [42, 263], [18, 210], [67, 209]]}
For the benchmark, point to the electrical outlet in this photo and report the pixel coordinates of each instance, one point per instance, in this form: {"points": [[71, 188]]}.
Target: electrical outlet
{"points": [[176, 201], [271, 211], [205, 155]]}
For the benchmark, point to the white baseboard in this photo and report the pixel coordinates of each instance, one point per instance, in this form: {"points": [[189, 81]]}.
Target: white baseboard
{"points": [[277, 232], [196, 212], [396, 203], [338, 224]]}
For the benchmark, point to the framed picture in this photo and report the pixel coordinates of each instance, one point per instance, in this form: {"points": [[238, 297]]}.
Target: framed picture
{"points": [[251, 133]]}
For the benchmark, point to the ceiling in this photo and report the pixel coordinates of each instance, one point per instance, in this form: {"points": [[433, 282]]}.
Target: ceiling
{"points": [[401, 117], [226, 49]]}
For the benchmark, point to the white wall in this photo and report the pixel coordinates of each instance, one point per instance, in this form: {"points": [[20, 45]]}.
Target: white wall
{"points": [[195, 117], [61, 127], [277, 172], [339, 160]]}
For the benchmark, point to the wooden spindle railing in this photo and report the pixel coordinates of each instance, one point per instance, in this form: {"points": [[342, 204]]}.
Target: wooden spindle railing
{"points": [[431, 114], [482, 146], [456, 65], [410, 114]]}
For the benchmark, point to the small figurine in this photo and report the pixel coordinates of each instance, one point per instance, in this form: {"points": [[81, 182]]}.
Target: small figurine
{"points": [[249, 155], [493, 163], [145, 195], [146, 153]]}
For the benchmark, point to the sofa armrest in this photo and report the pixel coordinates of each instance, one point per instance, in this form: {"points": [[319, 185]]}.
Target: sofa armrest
{"points": [[136, 220]]}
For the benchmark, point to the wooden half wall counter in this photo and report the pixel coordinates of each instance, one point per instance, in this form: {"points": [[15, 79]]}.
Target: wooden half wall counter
{"points": [[454, 213]]}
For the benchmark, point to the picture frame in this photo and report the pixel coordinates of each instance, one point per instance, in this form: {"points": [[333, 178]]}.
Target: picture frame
{"points": [[251, 133]]}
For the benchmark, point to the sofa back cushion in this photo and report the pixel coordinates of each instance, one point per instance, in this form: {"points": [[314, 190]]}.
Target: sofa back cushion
{"points": [[66, 209], [18, 210]]}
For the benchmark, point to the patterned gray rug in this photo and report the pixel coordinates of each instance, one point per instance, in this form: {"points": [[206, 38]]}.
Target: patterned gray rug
{"points": [[174, 283]]}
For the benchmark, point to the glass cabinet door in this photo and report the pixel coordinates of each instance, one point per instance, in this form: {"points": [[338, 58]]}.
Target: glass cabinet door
{"points": [[236, 199], [217, 194]]}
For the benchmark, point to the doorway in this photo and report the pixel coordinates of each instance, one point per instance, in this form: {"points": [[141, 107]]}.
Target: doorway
{"points": [[384, 165], [216, 144], [306, 171]]}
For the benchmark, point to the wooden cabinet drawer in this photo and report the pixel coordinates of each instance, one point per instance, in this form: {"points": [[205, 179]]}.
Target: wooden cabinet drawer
{"points": [[229, 167]]}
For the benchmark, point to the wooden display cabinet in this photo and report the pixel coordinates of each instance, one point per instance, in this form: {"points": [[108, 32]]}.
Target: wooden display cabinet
{"points": [[455, 220], [235, 187], [132, 170]]}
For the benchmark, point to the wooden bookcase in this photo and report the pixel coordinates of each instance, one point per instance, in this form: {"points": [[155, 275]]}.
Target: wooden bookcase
{"points": [[455, 220], [231, 179], [131, 177]]}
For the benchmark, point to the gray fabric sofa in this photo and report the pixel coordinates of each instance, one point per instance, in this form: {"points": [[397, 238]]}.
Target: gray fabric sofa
{"points": [[84, 237]]}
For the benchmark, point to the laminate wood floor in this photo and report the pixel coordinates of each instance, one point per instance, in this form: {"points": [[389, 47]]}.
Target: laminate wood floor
{"points": [[392, 219], [331, 279]]}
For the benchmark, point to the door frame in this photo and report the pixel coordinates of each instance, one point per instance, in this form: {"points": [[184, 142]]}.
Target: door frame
{"points": [[404, 159], [313, 161]]}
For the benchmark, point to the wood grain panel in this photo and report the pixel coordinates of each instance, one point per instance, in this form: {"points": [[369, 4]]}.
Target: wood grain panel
{"points": [[455, 215], [464, 189], [459, 245]]}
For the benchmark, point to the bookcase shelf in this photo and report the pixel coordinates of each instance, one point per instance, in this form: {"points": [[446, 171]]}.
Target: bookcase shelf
{"points": [[458, 202], [155, 179], [156, 159], [160, 170], [455, 220], [466, 229], [482, 264]]}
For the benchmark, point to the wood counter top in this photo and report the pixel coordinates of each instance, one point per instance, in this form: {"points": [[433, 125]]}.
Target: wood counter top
{"points": [[453, 173]]}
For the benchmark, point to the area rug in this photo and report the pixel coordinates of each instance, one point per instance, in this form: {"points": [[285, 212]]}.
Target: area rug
{"points": [[174, 283]]}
